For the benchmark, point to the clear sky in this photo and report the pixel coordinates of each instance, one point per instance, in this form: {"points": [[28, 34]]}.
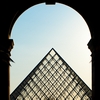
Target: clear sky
{"points": [[42, 27]]}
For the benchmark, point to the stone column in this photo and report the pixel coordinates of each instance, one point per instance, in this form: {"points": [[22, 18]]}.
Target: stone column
{"points": [[94, 46], [5, 48]]}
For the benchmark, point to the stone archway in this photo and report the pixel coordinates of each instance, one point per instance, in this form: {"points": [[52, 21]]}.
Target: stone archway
{"points": [[15, 8]]}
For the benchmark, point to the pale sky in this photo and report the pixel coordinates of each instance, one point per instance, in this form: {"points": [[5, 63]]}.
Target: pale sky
{"points": [[42, 27]]}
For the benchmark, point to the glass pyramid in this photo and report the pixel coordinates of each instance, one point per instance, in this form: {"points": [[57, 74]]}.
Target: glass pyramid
{"points": [[52, 79]]}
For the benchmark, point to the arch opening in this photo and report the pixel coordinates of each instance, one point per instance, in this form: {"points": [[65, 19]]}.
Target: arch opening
{"points": [[55, 27]]}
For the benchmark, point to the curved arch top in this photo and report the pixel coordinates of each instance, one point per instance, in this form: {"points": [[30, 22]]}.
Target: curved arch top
{"points": [[83, 8]]}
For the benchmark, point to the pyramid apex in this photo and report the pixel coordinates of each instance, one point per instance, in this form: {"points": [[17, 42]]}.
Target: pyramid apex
{"points": [[52, 49]]}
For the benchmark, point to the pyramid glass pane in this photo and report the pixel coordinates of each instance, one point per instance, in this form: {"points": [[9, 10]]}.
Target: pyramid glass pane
{"points": [[52, 79]]}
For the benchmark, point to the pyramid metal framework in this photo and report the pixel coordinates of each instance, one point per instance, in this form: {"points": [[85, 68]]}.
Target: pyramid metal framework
{"points": [[52, 79]]}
